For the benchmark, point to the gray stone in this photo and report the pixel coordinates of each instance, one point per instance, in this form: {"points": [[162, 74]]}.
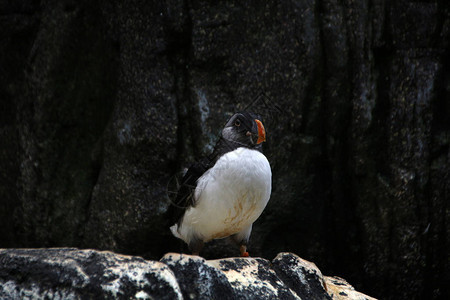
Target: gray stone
{"points": [[253, 278], [63, 273], [340, 289], [302, 276], [197, 279], [83, 274]]}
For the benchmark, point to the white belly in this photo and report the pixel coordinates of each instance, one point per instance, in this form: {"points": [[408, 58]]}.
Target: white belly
{"points": [[229, 197]]}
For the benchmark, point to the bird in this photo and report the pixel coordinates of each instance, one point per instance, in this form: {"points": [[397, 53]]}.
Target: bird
{"points": [[223, 194]]}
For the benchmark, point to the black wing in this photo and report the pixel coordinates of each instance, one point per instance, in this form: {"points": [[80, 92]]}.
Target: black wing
{"points": [[185, 194]]}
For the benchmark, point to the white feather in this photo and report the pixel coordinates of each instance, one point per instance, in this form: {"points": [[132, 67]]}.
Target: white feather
{"points": [[229, 197]]}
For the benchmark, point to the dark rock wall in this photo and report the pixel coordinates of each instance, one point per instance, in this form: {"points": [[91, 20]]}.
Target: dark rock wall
{"points": [[103, 103]]}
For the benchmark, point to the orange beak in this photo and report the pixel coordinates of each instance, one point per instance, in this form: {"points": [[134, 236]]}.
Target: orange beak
{"points": [[261, 132]]}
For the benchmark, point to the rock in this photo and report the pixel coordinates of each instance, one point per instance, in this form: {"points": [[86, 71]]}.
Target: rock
{"points": [[340, 289], [196, 278], [302, 276], [140, 141], [253, 278], [88, 274], [83, 274]]}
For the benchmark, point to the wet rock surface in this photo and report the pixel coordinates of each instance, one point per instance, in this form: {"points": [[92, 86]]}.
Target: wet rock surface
{"points": [[89, 274], [102, 104]]}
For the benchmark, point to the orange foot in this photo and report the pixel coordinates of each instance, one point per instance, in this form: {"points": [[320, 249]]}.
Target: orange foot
{"points": [[243, 250]]}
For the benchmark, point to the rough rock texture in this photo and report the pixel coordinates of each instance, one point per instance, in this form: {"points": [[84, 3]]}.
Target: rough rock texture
{"points": [[340, 289], [102, 104], [83, 274], [89, 274]]}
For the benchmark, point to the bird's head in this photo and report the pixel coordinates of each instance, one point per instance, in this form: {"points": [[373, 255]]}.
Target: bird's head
{"points": [[245, 128]]}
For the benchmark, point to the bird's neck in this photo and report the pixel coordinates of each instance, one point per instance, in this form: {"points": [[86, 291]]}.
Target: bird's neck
{"points": [[224, 146]]}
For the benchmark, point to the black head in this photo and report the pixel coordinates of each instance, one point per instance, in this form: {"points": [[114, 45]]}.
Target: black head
{"points": [[245, 128]]}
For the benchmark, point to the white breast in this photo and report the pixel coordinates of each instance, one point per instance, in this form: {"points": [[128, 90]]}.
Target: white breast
{"points": [[229, 197]]}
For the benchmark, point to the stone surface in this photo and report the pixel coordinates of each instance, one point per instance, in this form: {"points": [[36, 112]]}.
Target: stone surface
{"points": [[302, 276], [253, 278], [197, 279], [102, 104], [340, 289], [62, 273], [83, 274]]}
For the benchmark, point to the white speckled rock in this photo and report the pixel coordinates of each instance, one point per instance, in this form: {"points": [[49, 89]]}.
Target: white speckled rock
{"points": [[340, 289], [197, 279], [300, 275], [80, 274], [89, 274], [253, 278]]}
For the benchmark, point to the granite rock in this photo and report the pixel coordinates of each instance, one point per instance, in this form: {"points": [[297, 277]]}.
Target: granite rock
{"points": [[83, 274], [64, 273]]}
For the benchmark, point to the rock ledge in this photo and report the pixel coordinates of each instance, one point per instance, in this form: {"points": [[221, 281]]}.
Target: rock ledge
{"points": [[67, 273]]}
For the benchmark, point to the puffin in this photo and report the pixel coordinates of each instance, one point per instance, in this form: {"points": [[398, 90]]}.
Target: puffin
{"points": [[223, 194]]}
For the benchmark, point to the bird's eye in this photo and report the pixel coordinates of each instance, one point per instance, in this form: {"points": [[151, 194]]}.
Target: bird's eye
{"points": [[237, 123]]}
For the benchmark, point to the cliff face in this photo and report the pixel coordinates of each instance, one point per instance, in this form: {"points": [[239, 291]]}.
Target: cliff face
{"points": [[102, 104], [88, 274]]}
